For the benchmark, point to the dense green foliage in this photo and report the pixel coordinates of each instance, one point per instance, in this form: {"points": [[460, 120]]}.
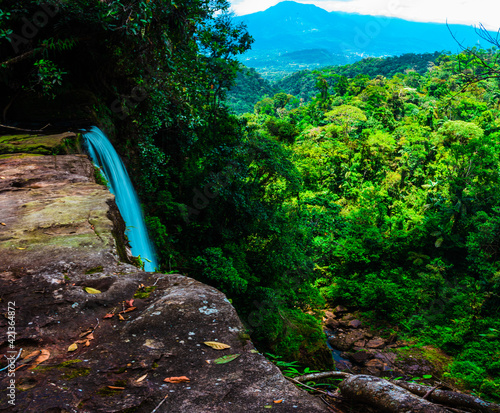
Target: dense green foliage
{"points": [[378, 193], [155, 74], [303, 84], [248, 89], [400, 203]]}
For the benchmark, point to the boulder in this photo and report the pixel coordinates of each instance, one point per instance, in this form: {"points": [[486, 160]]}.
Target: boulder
{"points": [[376, 343], [344, 341], [355, 324]]}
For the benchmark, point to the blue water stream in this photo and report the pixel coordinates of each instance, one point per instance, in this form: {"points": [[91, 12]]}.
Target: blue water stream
{"points": [[105, 157]]}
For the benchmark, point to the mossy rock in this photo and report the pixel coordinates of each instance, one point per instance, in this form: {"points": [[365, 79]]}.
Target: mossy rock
{"points": [[60, 144], [422, 360]]}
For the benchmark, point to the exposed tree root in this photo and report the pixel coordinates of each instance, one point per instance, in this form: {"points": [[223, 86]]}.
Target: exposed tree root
{"points": [[400, 396]]}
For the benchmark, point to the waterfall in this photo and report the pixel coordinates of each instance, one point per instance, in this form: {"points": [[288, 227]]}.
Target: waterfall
{"points": [[105, 157]]}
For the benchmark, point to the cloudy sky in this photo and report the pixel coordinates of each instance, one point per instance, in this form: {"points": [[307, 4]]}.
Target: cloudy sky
{"points": [[473, 12]]}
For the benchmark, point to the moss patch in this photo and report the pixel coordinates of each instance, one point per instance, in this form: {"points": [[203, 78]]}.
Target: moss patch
{"points": [[17, 155], [145, 292], [60, 144], [94, 270], [76, 372]]}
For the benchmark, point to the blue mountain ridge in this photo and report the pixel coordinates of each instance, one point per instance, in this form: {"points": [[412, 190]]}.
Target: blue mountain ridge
{"points": [[290, 26]]}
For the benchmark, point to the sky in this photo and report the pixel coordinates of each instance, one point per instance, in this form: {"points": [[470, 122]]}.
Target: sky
{"points": [[470, 12]]}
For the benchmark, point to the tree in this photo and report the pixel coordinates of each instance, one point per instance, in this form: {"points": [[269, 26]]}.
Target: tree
{"points": [[346, 116]]}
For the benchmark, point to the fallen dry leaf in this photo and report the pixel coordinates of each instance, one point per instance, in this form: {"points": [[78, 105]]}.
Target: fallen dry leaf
{"points": [[85, 333], [109, 315], [121, 317], [278, 401], [128, 310], [116, 388], [87, 343], [217, 346], [181, 379], [2, 177], [141, 378], [3, 223], [32, 354], [21, 248], [73, 347], [129, 303], [44, 355]]}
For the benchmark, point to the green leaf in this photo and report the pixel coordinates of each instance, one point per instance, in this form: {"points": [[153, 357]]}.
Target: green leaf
{"points": [[226, 359], [438, 242], [427, 376]]}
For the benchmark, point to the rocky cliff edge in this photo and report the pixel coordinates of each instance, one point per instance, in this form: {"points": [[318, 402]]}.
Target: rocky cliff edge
{"points": [[85, 331]]}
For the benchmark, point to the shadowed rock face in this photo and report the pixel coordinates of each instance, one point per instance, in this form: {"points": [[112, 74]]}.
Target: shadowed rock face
{"points": [[62, 234]]}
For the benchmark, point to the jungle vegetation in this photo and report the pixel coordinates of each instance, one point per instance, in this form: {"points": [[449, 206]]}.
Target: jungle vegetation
{"points": [[379, 192]]}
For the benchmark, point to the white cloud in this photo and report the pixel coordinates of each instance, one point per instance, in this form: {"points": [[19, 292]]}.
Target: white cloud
{"points": [[473, 12]]}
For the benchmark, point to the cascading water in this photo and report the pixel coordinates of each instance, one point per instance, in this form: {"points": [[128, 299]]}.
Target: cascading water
{"points": [[104, 155]]}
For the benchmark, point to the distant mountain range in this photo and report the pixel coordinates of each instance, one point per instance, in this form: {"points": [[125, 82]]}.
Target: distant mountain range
{"points": [[299, 35]]}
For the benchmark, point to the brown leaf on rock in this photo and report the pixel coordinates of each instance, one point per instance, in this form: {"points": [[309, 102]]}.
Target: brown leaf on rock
{"points": [[32, 354], [216, 345], [278, 401], [85, 333], [129, 303], [87, 343], [181, 379], [116, 388], [121, 317], [128, 310], [44, 355], [110, 315]]}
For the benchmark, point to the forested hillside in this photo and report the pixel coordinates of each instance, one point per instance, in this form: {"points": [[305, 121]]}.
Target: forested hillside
{"points": [[251, 87], [399, 202]]}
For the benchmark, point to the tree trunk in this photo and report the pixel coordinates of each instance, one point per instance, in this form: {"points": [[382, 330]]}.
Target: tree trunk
{"points": [[385, 395], [451, 398]]}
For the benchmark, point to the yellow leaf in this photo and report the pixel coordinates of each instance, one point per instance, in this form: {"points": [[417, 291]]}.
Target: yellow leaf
{"points": [[20, 248], [121, 317], [73, 347], [216, 345], [2, 177], [92, 290], [141, 378]]}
